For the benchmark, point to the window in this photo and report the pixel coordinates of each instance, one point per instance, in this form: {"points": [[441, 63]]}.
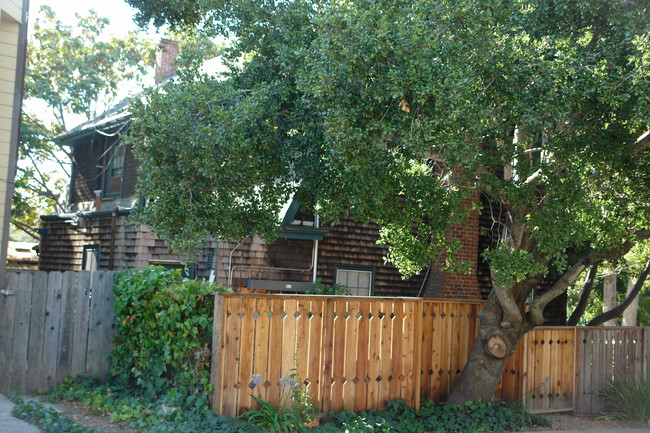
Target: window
{"points": [[188, 270], [359, 280], [90, 258], [116, 170]]}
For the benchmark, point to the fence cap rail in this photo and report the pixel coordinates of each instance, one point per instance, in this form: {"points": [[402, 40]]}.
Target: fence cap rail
{"points": [[351, 297]]}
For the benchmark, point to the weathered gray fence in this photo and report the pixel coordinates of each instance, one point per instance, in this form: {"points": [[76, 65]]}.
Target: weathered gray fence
{"points": [[54, 325]]}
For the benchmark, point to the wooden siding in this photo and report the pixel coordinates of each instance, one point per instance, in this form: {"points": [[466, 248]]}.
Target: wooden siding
{"points": [[348, 243], [288, 260], [131, 245], [91, 166], [355, 244]]}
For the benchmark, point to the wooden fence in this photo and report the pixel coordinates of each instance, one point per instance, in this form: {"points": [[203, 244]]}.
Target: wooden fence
{"points": [[54, 325], [351, 352], [357, 353]]}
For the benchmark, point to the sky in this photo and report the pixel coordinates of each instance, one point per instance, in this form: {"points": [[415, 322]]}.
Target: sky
{"points": [[117, 11], [121, 21]]}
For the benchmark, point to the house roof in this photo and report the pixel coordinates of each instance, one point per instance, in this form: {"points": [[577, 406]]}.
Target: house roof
{"points": [[109, 122], [118, 116]]}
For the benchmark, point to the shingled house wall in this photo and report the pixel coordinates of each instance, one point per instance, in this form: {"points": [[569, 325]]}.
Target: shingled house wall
{"points": [[123, 244]]}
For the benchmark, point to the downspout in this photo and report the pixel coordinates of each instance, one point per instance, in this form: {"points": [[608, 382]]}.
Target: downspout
{"points": [[230, 268], [314, 259], [111, 259]]}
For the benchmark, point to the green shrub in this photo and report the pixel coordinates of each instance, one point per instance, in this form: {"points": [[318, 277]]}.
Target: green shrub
{"points": [[630, 398], [471, 417], [327, 289], [164, 325], [51, 421]]}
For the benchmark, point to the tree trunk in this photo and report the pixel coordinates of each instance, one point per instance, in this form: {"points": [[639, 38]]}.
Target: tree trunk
{"points": [[630, 313], [493, 347], [609, 296]]}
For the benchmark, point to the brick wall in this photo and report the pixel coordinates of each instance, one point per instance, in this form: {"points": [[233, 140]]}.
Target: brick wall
{"points": [[445, 284], [165, 57]]}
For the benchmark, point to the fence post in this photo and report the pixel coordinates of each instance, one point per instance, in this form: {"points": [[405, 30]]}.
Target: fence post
{"points": [[217, 351], [327, 356], [646, 352], [417, 348]]}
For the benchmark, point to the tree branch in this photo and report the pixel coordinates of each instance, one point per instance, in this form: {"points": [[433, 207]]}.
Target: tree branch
{"points": [[587, 288], [642, 144], [25, 228], [619, 309], [583, 263]]}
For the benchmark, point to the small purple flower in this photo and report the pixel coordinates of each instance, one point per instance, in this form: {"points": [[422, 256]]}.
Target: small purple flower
{"points": [[288, 382], [256, 379]]}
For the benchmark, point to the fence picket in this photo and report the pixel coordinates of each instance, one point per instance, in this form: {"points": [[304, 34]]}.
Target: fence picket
{"points": [[107, 326], [66, 331], [52, 327], [7, 318], [80, 320], [37, 333], [21, 332]]}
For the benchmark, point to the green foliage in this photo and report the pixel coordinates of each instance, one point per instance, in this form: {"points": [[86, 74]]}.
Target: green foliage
{"points": [[293, 411], [164, 324], [121, 404], [630, 398], [361, 112], [327, 289], [472, 417], [152, 416], [47, 419], [512, 266]]}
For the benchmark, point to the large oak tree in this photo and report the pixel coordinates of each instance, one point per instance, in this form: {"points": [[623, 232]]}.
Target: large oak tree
{"points": [[398, 111]]}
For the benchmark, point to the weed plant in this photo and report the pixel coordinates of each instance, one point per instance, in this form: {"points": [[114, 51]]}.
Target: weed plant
{"points": [[630, 399]]}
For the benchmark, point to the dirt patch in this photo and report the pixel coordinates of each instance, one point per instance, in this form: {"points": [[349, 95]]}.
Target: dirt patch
{"points": [[567, 421], [83, 416]]}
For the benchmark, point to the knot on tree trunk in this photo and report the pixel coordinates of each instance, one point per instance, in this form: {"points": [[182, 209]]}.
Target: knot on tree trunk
{"points": [[496, 346]]}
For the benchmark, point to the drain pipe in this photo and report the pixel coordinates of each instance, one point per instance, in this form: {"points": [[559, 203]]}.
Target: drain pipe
{"points": [[230, 268], [314, 260]]}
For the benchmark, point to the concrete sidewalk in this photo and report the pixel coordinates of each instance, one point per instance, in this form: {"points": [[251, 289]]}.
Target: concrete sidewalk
{"points": [[11, 424]]}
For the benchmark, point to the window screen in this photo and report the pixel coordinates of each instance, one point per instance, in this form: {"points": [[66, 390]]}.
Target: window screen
{"points": [[358, 281]]}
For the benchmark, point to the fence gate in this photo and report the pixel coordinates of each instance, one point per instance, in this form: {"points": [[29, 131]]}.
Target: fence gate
{"points": [[54, 325]]}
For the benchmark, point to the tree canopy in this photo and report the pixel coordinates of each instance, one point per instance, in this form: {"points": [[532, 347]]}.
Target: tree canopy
{"points": [[71, 70], [399, 111]]}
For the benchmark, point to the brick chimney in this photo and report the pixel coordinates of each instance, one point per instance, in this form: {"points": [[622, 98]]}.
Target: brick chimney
{"points": [[165, 57]]}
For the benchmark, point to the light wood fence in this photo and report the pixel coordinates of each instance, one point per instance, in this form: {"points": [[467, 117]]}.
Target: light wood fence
{"points": [[54, 325], [357, 353], [351, 352]]}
